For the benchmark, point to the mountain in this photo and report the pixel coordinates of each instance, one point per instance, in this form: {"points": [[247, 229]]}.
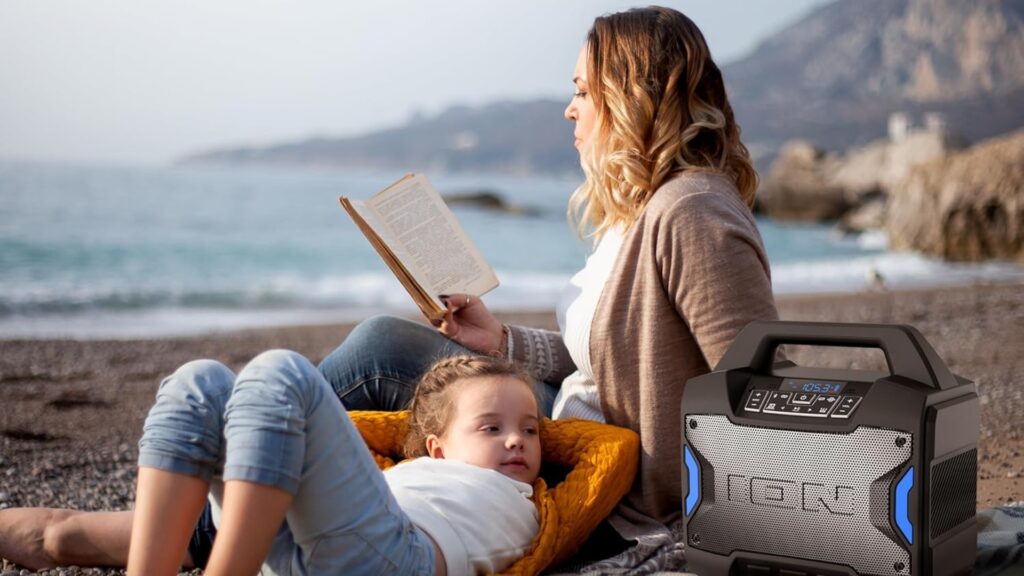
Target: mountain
{"points": [[517, 137], [832, 78]]}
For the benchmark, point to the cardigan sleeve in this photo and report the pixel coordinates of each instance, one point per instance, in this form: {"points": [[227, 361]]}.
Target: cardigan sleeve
{"points": [[715, 269], [541, 352]]}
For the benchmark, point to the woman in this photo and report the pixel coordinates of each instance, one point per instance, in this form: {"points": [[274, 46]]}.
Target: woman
{"points": [[678, 268]]}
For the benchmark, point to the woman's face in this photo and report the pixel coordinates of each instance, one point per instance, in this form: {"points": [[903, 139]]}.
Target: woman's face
{"points": [[581, 107]]}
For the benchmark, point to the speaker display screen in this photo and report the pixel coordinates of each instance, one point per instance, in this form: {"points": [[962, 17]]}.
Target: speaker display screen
{"points": [[815, 386]]}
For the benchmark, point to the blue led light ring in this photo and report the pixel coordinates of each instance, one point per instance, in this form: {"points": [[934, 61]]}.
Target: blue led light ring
{"points": [[693, 475], [903, 488]]}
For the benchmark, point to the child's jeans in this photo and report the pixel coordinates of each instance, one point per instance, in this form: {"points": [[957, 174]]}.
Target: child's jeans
{"points": [[279, 424]]}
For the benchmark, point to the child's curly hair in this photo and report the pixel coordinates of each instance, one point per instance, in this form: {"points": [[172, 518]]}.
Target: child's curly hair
{"points": [[433, 400]]}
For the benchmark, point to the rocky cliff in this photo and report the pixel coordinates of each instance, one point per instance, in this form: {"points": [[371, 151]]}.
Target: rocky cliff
{"points": [[835, 77], [509, 137], [963, 206], [808, 183]]}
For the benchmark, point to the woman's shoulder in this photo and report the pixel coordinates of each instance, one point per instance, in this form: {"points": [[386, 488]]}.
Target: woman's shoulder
{"points": [[698, 195], [695, 186]]}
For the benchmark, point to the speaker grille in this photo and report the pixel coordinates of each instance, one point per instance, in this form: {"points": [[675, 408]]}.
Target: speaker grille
{"points": [[816, 495], [953, 492]]}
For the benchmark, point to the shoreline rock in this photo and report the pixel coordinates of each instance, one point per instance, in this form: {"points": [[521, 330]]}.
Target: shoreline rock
{"points": [[808, 184], [488, 200], [964, 207], [798, 186]]}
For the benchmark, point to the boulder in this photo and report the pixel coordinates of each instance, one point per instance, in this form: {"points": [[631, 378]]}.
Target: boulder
{"points": [[965, 206], [798, 187], [805, 183], [858, 173], [868, 215], [488, 200]]}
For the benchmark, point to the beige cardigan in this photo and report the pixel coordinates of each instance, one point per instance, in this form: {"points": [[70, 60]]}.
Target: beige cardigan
{"points": [[691, 272]]}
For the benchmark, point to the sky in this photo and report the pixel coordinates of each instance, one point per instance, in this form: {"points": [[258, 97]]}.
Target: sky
{"points": [[145, 82]]}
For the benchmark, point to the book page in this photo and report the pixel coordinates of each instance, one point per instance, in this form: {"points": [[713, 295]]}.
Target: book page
{"points": [[430, 241], [380, 238], [379, 226]]}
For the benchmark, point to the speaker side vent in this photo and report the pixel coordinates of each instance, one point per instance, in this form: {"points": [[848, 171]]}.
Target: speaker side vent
{"points": [[953, 492]]}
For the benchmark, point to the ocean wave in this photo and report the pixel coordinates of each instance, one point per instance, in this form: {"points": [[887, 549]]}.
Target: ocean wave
{"points": [[108, 311], [518, 289], [379, 290], [899, 270]]}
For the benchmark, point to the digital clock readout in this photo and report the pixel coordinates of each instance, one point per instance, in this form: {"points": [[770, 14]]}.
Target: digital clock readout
{"points": [[815, 386]]}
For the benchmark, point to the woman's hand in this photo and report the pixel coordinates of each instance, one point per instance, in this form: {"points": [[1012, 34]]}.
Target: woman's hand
{"points": [[468, 322]]}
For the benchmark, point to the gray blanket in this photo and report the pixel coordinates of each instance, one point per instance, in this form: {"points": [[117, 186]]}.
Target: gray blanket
{"points": [[1000, 549]]}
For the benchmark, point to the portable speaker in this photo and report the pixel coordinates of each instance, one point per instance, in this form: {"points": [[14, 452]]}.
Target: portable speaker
{"points": [[793, 471]]}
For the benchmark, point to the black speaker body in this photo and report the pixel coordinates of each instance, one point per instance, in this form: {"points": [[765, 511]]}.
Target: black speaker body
{"points": [[793, 471]]}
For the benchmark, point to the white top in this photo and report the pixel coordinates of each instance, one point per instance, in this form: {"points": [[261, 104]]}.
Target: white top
{"points": [[577, 397], [482, 520]]}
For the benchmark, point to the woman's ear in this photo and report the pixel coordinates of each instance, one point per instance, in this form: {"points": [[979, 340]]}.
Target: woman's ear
{"points": [[434, 447]]}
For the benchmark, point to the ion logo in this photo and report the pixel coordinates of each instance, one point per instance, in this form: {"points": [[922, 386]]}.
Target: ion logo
{"points": [[789, 495]]}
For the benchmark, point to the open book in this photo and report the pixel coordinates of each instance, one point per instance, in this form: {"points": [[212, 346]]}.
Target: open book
{"points": [[419, 238]]}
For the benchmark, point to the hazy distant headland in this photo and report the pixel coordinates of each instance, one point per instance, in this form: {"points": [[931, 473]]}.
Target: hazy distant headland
{"points": [[833, 78]]}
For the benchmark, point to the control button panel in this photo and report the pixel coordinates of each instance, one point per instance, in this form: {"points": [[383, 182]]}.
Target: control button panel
{"points": [[801, 403], [754, 400], [846, 406], [804, 398]]}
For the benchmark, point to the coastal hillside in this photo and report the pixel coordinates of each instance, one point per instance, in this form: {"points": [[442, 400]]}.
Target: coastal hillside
{"points": [[509, 137], [833, 78]]}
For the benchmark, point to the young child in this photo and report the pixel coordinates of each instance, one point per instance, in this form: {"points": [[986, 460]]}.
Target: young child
{"points": [[296, 491]]}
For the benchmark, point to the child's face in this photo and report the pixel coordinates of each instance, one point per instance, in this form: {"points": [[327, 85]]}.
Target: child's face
{"points": [[494, 424]]}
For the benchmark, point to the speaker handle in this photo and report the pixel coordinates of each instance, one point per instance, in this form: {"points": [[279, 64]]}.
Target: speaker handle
{"points": [[907, 353]]}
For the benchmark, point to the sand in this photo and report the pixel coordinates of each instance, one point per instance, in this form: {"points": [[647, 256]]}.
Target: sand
{"points": [[72, 411]]}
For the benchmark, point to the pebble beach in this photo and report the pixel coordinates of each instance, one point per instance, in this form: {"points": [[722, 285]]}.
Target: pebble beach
{"points": [[71, 411]]}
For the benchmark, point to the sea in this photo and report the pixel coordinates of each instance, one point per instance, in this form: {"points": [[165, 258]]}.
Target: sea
{"points": [[90, 251]]}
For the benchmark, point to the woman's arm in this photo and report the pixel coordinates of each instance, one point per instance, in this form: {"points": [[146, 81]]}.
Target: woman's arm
{"points": [[715, 270], [541, 352]]}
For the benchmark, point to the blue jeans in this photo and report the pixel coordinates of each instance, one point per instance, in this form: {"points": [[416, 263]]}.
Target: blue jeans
{"points": [[277, 423], [380, 362], [375, 368]]}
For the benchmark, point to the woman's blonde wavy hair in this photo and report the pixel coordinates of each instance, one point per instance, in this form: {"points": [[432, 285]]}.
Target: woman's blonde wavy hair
{"points": [[661, 109]]}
